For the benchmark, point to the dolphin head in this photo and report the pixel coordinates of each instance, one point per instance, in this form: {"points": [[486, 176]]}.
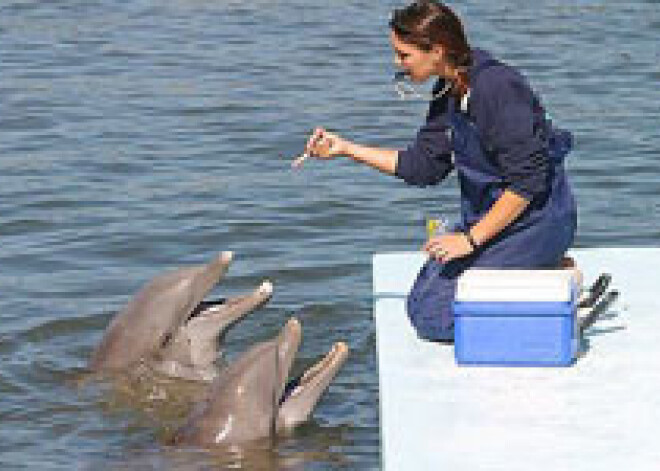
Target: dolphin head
{"points": [[191, 352], [251, 400], [155, 313], [243, 401]]}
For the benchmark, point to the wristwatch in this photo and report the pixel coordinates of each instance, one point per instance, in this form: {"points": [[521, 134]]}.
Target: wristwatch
{"points": [[471, 240]]}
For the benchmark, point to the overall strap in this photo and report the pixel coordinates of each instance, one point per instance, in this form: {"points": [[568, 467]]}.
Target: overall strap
{"points": [[465, 101]]}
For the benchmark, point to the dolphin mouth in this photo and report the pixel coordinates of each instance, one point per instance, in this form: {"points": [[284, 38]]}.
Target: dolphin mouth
{"points": [[205, 306], [302, 394], [217, 308], [333, 359], [210, 319], [318, 374]]}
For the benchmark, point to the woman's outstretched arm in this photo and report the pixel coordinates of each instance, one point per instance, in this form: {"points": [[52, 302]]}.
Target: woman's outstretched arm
{"points": [[326, 145]]}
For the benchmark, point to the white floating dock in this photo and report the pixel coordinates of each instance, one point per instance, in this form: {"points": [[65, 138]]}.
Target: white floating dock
{"points": [[602, 413]]}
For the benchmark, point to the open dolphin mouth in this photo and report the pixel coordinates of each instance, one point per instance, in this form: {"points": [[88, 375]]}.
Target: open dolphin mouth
{"points": [[228, 311], [192, 349], [211, 306], [204, 306], [315, 375], [318, 374], [302, 394], [158, 309]]}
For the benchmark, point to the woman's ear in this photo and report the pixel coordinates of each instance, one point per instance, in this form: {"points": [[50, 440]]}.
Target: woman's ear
{"points": [[439, 57]]}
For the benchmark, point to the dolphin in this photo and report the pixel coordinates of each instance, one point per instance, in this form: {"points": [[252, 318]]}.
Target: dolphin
{"points": [[250, 400], [168, 324]]}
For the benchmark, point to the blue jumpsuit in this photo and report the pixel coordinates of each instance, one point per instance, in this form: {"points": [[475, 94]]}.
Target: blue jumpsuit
{"points": [[503, 140]]}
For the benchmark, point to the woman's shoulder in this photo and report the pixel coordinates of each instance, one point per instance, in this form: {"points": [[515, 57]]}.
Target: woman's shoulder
{"points": [[493, 79]]}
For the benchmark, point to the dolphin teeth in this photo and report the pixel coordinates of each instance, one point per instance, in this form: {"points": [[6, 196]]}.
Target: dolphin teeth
{"points": [[266, 288]]}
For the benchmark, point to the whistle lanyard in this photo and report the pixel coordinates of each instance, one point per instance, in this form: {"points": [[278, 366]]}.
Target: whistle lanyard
{"points": [[407, 91]]}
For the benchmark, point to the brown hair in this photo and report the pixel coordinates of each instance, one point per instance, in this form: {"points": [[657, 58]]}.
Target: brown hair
{"points": [[426, 23]]}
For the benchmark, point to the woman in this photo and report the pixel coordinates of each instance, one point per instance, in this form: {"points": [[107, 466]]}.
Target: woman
{"points": [[485, 122]]}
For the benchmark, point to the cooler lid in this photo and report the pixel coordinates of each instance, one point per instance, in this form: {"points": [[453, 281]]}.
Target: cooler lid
{"points": [[484, 285]]}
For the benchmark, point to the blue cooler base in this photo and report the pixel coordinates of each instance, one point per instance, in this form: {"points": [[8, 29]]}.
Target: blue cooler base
{"points": [[514, 334]]}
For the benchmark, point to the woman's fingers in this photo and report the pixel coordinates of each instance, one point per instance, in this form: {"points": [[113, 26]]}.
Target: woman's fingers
{"points": [[309, 148], [432, 244], [447, 247], [314, 139], [337, 145], [324, 144]]}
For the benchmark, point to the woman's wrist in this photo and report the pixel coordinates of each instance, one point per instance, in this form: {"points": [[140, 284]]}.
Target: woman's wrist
{"points": [[505, 210]]}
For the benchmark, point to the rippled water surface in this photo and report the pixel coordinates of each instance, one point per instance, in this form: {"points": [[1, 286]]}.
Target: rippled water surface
{"points": [[140, 136]]}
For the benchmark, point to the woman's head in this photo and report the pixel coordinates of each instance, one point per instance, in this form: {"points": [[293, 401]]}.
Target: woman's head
{"points": [[428, 39]]}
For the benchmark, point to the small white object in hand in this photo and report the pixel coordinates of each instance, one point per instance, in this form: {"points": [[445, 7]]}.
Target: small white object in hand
{"points": [[298, 161]]}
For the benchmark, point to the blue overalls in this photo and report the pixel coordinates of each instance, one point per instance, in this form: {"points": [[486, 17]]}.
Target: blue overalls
{"points": [[537, 239]]}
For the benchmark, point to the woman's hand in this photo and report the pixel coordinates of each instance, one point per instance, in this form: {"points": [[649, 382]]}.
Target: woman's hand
{"points": [[447, 247], [326, 145]]}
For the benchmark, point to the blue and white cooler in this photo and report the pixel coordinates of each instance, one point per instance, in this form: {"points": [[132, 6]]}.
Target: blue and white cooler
{"points": [[516, 318]]}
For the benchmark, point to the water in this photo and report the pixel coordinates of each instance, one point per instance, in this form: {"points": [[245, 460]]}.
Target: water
{"points": [[140, 136]]}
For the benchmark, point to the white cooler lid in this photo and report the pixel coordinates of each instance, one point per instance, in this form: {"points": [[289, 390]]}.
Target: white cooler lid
{"points": [[484, 285]]}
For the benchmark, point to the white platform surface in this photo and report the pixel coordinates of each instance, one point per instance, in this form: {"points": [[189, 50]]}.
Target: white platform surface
{"points": [[603, 413]]}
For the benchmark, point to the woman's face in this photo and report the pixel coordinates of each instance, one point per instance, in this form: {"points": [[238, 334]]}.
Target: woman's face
{"points": [[420, 65]]}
